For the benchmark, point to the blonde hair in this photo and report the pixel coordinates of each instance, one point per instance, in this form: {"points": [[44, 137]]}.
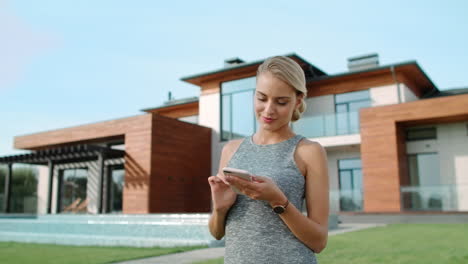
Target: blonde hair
{"points": [[289, 72]]}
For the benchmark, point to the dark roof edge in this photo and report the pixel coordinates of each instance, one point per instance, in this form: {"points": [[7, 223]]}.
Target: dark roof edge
{"points": [[331, 76], [247, 65], [173, 103]]}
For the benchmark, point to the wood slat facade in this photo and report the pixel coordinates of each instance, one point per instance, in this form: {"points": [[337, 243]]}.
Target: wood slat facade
{"points": [[156, 148], [383, 145]]}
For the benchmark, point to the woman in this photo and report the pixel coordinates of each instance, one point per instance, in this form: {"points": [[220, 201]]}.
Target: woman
{"points": [[290, 168]]}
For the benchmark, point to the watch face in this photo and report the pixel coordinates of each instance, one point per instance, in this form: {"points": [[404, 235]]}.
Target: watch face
{"points": [[278, 209]]}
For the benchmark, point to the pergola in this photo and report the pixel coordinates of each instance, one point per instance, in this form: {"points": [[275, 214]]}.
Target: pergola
{"points": [[60, 155]]}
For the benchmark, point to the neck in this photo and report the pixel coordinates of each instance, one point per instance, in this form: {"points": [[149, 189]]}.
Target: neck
{"points": [[263, 136]]}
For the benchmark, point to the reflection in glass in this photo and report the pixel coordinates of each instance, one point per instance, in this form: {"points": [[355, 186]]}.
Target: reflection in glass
{"points": [[327, 125], [238, 119], [116, 191], [73, 186], [3, 172], [350, 181], [23, 197]]}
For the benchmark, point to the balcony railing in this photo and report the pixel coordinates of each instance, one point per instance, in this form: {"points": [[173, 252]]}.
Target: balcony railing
{"points": [[346, 200], [328, 125], [435, 198]]}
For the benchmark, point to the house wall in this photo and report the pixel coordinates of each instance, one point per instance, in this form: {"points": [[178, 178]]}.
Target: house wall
{"points": [[181, 165], [383, 147]]}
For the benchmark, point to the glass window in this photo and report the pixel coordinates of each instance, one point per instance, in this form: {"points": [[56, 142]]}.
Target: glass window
{"points": [[238, 118], [23, 197], [352, 97], [117, 180], [424, 169], [73, 186], [350, 182], [3, 169], [423, 133], [347, 106]]}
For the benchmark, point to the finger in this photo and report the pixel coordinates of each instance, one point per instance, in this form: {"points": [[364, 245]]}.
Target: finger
{"points": [[222, 178], [240, 183]]}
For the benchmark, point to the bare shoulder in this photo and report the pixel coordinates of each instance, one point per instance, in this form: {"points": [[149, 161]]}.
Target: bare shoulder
{"points": [[309, 149]]}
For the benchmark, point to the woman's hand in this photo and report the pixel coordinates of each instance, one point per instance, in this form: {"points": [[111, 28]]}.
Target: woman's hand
{"points": [[260, 188], [222, 194]]}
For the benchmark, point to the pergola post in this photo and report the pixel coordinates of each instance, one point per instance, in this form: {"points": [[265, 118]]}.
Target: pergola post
{"points": [[102, 200], [7, 193], [49, 190]]}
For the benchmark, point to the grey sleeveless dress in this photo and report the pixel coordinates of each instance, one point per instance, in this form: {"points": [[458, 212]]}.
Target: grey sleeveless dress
{"points": [[254, 233]]}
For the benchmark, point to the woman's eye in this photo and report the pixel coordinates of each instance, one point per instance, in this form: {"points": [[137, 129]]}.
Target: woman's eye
{"points": [[282, 103], [261, 99]]}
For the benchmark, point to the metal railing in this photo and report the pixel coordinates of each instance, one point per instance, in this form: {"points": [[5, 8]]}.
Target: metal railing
{"points": [[328, 125]]}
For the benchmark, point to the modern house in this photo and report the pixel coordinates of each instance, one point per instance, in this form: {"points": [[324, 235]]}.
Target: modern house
{"points": [[394, 141]]}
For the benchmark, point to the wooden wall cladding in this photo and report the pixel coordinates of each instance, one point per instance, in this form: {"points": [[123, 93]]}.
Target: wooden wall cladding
{"points": [[383, 146], [181, 165], [137, 134]]}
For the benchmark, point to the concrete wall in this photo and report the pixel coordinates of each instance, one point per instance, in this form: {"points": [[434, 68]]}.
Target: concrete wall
{"points": [[189, 119], [388, 94], [452, 148], [210, 117]]}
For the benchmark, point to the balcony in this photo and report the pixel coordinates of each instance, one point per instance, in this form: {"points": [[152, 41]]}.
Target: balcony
{"points": [[346, 200], [328, 125], [434, 198]]}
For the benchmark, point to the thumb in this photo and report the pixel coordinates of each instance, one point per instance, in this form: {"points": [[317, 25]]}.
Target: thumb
{"points": [[258, 178]]}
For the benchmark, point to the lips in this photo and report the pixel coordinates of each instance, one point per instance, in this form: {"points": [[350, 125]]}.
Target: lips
{"points": [[267, 120]]}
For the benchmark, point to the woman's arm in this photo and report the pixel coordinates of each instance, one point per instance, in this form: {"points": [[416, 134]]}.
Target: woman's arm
{"points": [[223, 196], [312, 229]]}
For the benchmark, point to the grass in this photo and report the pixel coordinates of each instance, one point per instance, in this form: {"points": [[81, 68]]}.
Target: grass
{"points": [[16, 253], [399, 243]]}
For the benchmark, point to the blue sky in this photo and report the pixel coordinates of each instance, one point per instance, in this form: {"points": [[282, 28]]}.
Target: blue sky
{"points": [[65, 63]]}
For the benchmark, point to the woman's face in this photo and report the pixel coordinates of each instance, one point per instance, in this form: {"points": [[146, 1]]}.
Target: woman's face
{"points": [[275, 102]]}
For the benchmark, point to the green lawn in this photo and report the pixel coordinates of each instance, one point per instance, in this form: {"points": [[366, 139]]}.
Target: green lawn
{"points": [[400, 243], [16, 253]]}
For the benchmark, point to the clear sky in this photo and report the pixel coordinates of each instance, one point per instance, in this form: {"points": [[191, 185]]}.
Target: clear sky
{"points": [[65, 63]]}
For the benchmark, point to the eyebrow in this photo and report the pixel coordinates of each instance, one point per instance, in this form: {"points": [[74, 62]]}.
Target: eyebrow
{"points": [[280, 97]]}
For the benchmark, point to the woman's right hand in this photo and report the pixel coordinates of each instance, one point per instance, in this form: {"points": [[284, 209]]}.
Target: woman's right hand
{"points": [[222, 194]]}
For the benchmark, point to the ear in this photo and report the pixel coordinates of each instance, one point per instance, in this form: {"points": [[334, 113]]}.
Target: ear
{"points": [[299, 97]]}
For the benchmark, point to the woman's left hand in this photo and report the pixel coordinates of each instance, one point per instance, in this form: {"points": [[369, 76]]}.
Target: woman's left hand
{"points": [[260, 188]]}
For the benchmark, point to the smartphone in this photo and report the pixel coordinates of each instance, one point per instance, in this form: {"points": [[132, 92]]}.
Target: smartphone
{"points": [[238, 173]]}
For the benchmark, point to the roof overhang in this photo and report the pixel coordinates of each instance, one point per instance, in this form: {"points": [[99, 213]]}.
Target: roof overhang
{"points": [[251, 67]]}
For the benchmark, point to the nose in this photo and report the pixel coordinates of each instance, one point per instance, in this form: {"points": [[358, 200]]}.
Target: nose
{"points": [[270, 108]]}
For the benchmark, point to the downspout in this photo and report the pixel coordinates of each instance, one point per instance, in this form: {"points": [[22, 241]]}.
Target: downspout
{"points": [[392, 69]]}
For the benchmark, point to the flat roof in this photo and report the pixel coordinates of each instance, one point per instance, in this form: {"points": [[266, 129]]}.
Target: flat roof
{"points": [[196, 78]]}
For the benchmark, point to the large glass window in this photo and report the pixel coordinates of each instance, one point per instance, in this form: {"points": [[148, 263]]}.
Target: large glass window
{"points": [[350, 180], [237, 114], [425, 191], [23, 196], [424, 169], [116, 183], [3, 169], [347, 107], [72, 189]]}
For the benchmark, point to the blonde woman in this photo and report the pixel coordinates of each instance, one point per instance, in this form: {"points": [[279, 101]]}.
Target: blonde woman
{"points": [[265, 223]]}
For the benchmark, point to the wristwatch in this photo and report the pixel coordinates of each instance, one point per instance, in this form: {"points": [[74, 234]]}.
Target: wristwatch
{"points": [[279, 209]]}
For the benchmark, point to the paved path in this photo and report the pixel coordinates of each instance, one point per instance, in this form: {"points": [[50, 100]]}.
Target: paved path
{"points": [[212, 253]]}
